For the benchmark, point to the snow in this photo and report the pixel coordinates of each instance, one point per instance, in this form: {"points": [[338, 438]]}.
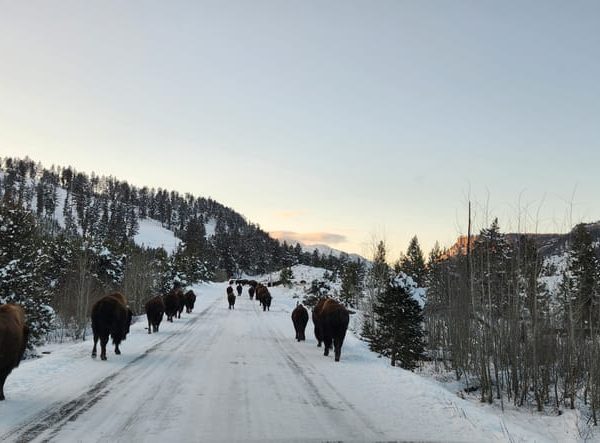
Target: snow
{"points": [[210, 227], [230, 375], [152, 234]]}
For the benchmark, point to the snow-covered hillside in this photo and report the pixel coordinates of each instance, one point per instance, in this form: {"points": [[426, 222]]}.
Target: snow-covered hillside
{"points": [[231, 375], [151, 234]]}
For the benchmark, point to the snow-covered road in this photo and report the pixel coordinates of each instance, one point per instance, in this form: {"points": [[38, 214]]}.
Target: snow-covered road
{"points": [[227, 375]]}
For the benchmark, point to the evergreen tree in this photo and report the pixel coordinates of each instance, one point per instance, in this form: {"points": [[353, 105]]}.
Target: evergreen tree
{"points": [[413, 263], [399, 332], [583, 270], [21, 269], [286, 276], [353, 274], [376, 283]]}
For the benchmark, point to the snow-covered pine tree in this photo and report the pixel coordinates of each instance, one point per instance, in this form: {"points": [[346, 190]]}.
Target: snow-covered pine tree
{"points": [[22, 264], [399, 331], [413, 263], [353, 274], [376, 283]]}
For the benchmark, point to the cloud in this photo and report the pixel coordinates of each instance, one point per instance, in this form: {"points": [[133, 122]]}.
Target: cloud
{"points": [[309, 237]]}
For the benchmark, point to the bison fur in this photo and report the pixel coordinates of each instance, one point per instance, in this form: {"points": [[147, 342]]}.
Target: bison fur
{"points": [[14, 333]]}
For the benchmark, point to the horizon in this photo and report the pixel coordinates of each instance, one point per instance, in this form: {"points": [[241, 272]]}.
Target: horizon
{"points": [[342, 123]]}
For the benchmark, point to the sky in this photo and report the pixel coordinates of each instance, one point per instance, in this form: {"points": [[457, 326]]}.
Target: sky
{"points": [[338, 122]]}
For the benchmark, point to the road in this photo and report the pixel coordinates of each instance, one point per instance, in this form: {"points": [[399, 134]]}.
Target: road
{"points": [[226, 375]]}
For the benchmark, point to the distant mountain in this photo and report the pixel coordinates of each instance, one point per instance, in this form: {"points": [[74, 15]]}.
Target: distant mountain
{"points": [[326, 250]]}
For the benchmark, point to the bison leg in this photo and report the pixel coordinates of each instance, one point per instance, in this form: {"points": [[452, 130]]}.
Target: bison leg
{"points": [[327, 339], [318, 336], [337, 347], [95, 343], [149, 327], [3, 374], [103, 342]]}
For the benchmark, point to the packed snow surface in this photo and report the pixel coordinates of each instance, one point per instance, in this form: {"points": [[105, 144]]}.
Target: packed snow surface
{"points": [[229, 375]]}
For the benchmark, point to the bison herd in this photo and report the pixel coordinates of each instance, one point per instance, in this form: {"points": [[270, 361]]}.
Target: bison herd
{"points": [[329, 316], [330, 319], [111, 318]]}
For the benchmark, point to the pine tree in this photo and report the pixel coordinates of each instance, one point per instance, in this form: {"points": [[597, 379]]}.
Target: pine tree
{"points": [[286, 276], [353, 274], [376, 283], [583, 270], [399, 332], [413, 263], [22, 266]]}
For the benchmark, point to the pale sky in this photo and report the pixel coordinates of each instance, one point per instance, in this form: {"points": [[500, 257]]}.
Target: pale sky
{"points": [[341, 122]]}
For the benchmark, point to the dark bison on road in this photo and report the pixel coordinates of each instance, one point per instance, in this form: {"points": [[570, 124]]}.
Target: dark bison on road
{"points": [[300, 319], [171, 300], [190, 299], [155, 309], [332, 320], [230, 297], [264, 297], [110, 317], [13, 340]]}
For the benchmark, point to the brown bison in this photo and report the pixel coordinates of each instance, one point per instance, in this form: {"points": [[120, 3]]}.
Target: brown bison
{"points": [[190, 299], [155, 308], [251, 292], [171, 300], [239, 289], [13, 340], [259, 291], [230, 297], [332, 322], [180, 302], [264, 297], [110, 317], [300, 319]]}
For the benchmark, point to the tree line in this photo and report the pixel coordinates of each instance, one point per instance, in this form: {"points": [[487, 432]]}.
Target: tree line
{"points": [[518, 326]]}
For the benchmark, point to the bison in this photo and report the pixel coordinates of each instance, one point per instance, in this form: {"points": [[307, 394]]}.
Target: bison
{"points": [[239, 289], [13, 340], [266, 302], [190, 299], [264, 297], [180, 302], [259, 291], [251, 292], [332, 322], [171, 300], [300, 319], [155, 308], [110, 317], [230, 297]]}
